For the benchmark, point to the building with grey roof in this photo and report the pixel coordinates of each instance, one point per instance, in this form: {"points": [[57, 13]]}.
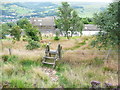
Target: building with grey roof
{"points": [[90, 27], [45, 25]]}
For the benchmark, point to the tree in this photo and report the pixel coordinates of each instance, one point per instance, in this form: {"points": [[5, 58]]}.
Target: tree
{"points": [[32, 44], [76, 24], [85, 20], [64, 15], [107, 22], [80, 26], [68, 20], [32, 32], [4, 30], [11, 24], [22, 22], [16, 32]]}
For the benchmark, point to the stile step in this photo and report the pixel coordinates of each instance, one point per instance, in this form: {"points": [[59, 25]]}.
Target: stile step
{"points": [[49, 57], [47, 63]]}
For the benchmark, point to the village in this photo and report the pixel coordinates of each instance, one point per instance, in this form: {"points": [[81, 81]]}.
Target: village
{"points": [[47, 27]]}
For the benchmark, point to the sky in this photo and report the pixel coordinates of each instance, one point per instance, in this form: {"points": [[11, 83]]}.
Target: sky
{"points": [[57, 0]]}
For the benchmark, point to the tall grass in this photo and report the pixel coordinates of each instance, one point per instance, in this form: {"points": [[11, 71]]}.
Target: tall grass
{"points": [[40, 74], [80, 65], [8, 69]]}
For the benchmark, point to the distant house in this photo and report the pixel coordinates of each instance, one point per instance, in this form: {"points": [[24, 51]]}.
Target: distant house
{"points": [[90, 29], [45, 25]]}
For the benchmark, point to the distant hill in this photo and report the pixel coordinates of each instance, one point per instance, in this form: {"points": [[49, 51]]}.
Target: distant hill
{"points": [[12, 11]]}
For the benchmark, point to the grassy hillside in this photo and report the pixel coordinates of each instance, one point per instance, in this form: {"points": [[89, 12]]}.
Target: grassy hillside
{"points": [[80, 65], [43, 9]]}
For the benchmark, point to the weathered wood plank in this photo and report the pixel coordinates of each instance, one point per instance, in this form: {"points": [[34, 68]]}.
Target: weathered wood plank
{"points": [[48, 63], [46, 57], [53, 52]]}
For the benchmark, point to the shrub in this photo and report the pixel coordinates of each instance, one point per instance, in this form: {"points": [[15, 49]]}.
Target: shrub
{"points": [[16, 32], [9, 58], [32, 45], [5, 57], [56, 38], [24, 38]]}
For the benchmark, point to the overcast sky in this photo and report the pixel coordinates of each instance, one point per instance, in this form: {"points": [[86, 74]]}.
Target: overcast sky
{"points": [[58, 0]]}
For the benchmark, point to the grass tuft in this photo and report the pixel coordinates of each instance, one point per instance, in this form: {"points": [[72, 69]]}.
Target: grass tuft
{"points": [[28, 62], [40, 74], [8, 69]]}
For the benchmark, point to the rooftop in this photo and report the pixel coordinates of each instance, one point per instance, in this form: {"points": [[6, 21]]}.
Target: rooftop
{"points": [[90, 27], [47, 21]]}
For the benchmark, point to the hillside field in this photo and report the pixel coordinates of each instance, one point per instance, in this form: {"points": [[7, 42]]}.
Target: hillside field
{"points": [[80, 64]]}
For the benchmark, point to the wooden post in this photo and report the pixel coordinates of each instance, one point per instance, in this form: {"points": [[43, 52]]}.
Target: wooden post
{"points": [[59, 51], [10, 53], [47, 50]]}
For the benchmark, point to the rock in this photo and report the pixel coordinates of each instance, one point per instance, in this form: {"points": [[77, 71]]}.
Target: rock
{"points": [[95, 82], [108, 85]]}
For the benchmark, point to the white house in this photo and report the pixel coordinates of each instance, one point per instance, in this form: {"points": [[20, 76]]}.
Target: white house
{"points": [[89, 29]]}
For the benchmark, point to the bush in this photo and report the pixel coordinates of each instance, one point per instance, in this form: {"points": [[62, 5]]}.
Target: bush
{"points": [[56, 38], [32, 45], [9, 58], [24, 38], [5, 57], [16, 32]]}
